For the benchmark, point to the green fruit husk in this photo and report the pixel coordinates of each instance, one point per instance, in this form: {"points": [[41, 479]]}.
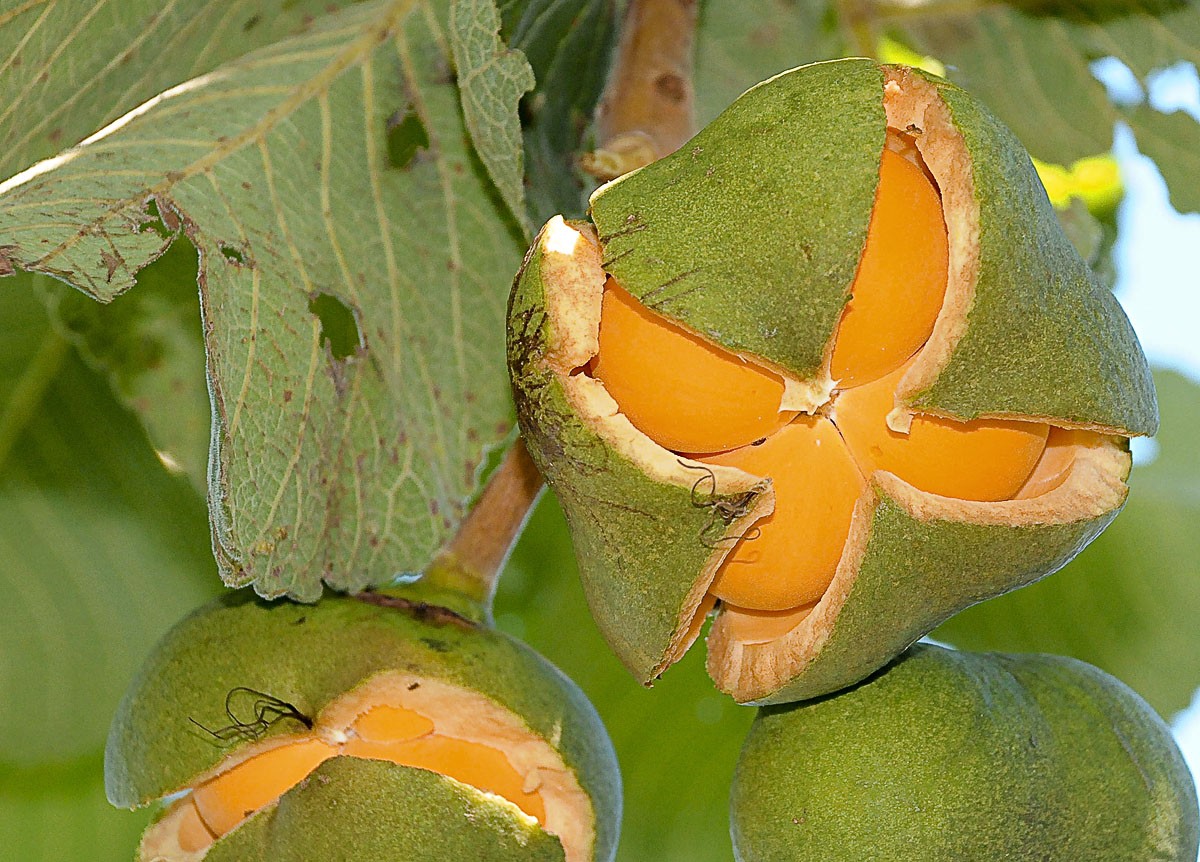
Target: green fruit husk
{"points": [[950, 756], [310, 655], [442, 820], [722, 237]]}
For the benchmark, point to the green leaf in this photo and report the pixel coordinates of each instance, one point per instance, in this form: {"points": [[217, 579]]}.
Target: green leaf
{"points": [[57, 813], [1173, 142], [491, 81], [1130, 602], [344, 469], [150, 346], [101, 549], [568, 45], [69, 68], [677, 742]]}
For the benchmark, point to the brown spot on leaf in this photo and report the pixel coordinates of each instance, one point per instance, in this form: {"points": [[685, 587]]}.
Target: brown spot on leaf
{"points": [[111, 262], [287, 396]]}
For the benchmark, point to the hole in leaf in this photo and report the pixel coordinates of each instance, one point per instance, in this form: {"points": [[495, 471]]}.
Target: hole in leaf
{"points": [[339, 328], [406, 136], [232, 253]]}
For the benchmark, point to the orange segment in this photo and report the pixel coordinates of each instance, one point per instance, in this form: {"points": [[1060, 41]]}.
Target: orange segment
{"points": [[789, 557], [391, 723], [759, 627], [901, 279], [1056, 462], [985, 459], [679, 390], [226, 800], [468, 762], [193, 834]]}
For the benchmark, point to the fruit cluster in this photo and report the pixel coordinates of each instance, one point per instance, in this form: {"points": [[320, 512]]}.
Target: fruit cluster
{"points": [[832, 371]]}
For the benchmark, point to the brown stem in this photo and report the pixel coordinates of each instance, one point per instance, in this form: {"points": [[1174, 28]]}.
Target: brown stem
{"points": [[472, 562], [648, 107]]}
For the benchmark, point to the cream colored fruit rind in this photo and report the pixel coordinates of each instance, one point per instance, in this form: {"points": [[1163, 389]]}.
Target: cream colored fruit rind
{"points": [[970, 757], [309, 656], [913, 560], [1026, 329], [376, 811], [646, 524]]}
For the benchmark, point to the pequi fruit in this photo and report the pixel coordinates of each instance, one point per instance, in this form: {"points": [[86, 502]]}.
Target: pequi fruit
{"points": [[960, 757], [832, 366], [364, 728]]}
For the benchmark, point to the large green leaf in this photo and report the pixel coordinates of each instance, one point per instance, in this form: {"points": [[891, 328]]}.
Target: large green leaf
{"points": [[1030, 62], [347, 463], [1130, 603], [59, 814], [677, 742], [101, 549]]}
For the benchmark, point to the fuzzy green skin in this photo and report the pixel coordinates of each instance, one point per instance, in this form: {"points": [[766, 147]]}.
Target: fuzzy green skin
{"points": [[308, 655], [770, 201], [640, 543], [960, 757], [915, 575], [442, 820], [1077, 357]]}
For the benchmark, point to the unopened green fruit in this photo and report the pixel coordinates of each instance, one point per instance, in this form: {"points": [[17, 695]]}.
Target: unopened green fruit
{"points": [[748, 239], [382, 729], [952, 756]]}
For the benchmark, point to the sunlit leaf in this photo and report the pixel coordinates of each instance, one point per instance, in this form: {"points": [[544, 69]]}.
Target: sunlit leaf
{"points": [[1130, 602], [491, 80], [101, 549], [346, 469], [69, 68], [677, 742]]}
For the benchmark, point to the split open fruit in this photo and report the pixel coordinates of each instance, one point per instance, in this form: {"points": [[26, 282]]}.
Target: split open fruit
{"points": [[953, 756], [359, 729], [833, 365]]}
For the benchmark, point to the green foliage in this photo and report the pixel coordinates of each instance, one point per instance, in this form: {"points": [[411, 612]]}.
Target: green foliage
{"points": [[102, 550]]}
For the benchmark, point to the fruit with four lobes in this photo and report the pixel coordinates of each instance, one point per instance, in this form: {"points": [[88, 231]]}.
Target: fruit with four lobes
{"points": [[963, 757], [359, 728], [833, 367]]}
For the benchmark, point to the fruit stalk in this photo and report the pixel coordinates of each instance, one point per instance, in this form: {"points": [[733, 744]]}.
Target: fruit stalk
{"points": [[647, 110], [473, 560]]}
